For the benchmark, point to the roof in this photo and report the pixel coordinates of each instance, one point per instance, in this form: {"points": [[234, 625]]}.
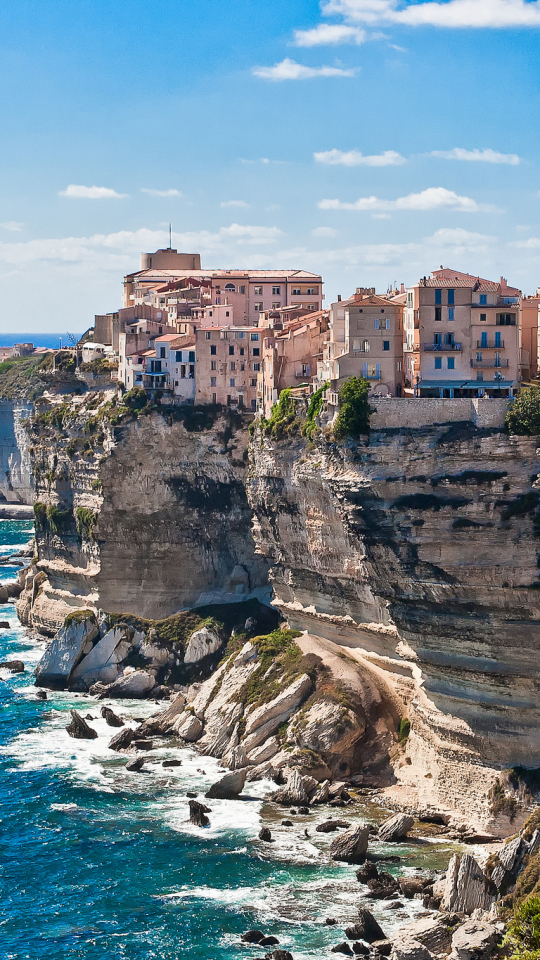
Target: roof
{"points": [[463, 384], [373, 301], [148, 275], [180, 343], [456, 278], [166, 337]]}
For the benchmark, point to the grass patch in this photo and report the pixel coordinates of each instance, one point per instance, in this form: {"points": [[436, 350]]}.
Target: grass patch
{"points": [[281, 661]]}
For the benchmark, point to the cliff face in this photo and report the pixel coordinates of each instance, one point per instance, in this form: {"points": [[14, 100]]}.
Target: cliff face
{"points": [[147, 517], [419, 553], [15, 467]]}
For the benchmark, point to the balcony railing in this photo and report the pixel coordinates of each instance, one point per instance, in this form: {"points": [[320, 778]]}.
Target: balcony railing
{"points": [[436, 347], [495, 364], [490, 345]]}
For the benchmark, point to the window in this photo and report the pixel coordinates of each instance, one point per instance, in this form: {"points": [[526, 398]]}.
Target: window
{"points": [[240, 334], [231, 351], [449, 339], [213, 351], [399, 366], [365, 346], [356, 345], [214, 398], [210, 313], [176, 383], [437, 339], [213, 381], [162, 301], [242, 289], [438, 313], [256, 367], [232, 382], [483, 317], [451, 297], [450, 363], [183, 371], [230, 286], [242, 366], [483, 299], [312, 291], [253, 404], [208, 336], [253, 381], [276, 291], [192, 371], [479, 355], [258, 307], [254, 336], [506, 319], [191, 357], [498, 341], [386, 344], [233, 365], [276, 305], [256, 351], [242, 351], [213, 365], [483, 338], [257, 291], [179, 356], [450, 313], [296, 292], [155, 366], [387, 323], [162, 352], [410, 298], [376, 323], [438, 363], [479, 375], [227, 313], [438, 296]]}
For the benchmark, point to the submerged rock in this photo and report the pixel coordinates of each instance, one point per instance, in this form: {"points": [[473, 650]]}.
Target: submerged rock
{"points": [[110, 717], [366, 928], [265, 835], [135, 765], [41, 695], [15, 666], [229, 787], [122, 740], [171, 763], [252, 936], [330, 825], [79, 729], [351, 846]]}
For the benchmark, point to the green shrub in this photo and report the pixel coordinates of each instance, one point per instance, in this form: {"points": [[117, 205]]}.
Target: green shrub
{"points": [[313, 411], [354, 409], [57, 518], [40, 513], [523, 934], [404, 730], [283, 419], [135, 399], [97, 485], [85, 521], [523, 417]]}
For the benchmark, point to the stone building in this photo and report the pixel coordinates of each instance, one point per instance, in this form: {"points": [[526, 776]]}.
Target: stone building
{"points": [[228, 363], [290, 356]]}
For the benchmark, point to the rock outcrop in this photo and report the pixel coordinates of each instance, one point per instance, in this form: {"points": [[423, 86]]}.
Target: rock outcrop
{"points": [[416, 552], [395, 828], [351, 846], [74, 639]]}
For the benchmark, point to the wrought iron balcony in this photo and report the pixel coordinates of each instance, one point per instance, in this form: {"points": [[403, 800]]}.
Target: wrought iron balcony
{"points": [[443, 347], [490, 345], [493, 364]]}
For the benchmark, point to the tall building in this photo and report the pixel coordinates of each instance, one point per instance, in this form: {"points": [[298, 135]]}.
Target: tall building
{"points": [[468, 335], [529, 336]]}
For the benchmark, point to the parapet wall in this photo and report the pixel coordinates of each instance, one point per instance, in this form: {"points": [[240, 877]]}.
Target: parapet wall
{"points": [[425, 411]]}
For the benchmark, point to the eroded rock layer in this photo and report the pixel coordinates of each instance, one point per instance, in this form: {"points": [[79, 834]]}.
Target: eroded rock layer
{"points": [[419, 552]]}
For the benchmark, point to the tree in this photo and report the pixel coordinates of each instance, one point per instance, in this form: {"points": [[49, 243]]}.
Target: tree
{"points": [[354, 409], [524, 415]]}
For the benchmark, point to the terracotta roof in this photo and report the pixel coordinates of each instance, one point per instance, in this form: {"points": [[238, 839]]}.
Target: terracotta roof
{"points": [[147, 275], [180, 343], [485, 286]]}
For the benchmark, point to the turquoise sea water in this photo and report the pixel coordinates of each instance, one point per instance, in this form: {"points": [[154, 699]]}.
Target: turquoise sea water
{"points": [[98, 863]]}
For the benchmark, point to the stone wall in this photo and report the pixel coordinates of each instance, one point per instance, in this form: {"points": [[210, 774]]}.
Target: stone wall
{"points": [[392, 412]]}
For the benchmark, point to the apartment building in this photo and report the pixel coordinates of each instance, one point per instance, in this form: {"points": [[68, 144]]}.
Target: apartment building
{"points": [[137, 337], [170, 367], [228, 363], [468, 335], [248, 292], [366, 340], [529, 341], [290, 357]]}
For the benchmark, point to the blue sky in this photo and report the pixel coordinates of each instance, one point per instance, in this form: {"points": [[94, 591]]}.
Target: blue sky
{"points": [[370, 140]]}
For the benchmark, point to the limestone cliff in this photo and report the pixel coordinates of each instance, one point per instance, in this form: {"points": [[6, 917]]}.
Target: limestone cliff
{"points": [[418, 551], [142, 513], [15, 466]]}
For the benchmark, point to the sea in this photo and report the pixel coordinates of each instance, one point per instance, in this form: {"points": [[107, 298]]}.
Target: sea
{"points": [[100, 864], [52, 341]]}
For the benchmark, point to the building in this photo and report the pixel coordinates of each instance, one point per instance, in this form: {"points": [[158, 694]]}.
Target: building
{"points": [[169, 368], [109, 326], [529, 344], [228, 363], [366, 340], [248, 292], [290, 357], [137, 337], [468, 335]]}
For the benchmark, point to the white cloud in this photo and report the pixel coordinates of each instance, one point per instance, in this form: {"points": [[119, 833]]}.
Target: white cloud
{"points": [[234, 203], [264, 160], [12, 225], [381, 216], [291, 70], [452, 14], [78, 192], [252, 235], [354, 158], [531, 244], [481, 156], [434, 198], [324, 232], [161, 193], [329, 33]]}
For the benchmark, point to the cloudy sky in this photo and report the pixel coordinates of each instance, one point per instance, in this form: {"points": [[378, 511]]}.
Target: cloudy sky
{"points": [[370, 140]]}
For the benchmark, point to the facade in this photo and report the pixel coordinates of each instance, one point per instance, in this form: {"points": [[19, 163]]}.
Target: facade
{"points": [[228, 363], [529, 336], [248, 292], [290, 357], [366, 340], [170, 367], [468, 336]]}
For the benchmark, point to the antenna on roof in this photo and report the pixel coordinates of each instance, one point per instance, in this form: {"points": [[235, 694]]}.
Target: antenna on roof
{"points": [[170, 236]]}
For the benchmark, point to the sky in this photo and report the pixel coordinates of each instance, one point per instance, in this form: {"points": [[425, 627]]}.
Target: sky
{"points": [[368, 140]]}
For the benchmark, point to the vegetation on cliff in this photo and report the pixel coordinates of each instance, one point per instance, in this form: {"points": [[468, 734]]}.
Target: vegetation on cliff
{"points": [[354, 409], [523, 416], [26, 378]]}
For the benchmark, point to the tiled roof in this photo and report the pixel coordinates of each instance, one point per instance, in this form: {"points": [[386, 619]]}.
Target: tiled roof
{"points": [[485, 286], [180, 343], [156, 275], [166, 337]]}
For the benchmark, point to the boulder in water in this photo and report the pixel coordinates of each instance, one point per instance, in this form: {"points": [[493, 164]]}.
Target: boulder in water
{"points": [[41, 695], [229, 787], [122, 740], [330, 825], [197, 814], [268, 941], [135, 685], [366, 928], [14, 666], [110, 717], [4, 624], [135, 765], [265, 835], [252, 936], [343, 948], [395, 828], [66, 650], [351, 846], [79, 729], [171, 763]]}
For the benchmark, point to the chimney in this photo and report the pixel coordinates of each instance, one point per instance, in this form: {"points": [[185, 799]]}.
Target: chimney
{"points": [[339, 298], [402, 288]]}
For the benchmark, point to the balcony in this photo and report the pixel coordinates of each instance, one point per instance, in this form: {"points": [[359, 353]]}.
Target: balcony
{"points": [[490, 364], [443, 347], [490, 345]]}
